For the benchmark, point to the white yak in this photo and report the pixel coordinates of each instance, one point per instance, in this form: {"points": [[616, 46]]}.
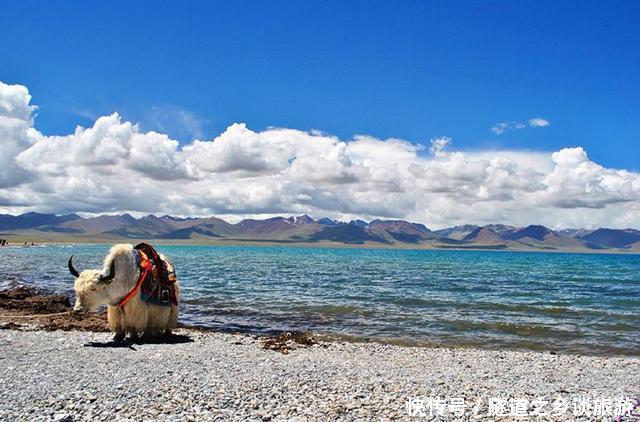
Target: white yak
{"points": [[109, 286]]}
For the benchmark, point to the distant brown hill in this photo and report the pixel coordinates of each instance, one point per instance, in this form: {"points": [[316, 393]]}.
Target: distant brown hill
{"points": [[457, 232], [401, 231], [484, 236], [541, 236]]}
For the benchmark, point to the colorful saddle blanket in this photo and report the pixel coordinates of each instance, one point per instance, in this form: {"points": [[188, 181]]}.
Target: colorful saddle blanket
{"points": [[158, 287]]}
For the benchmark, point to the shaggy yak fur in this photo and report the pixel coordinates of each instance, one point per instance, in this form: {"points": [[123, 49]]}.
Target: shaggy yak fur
{"points": [[94, 288]]}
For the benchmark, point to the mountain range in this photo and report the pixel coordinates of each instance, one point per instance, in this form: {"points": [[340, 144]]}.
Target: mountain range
{"points": [[304, 229]]}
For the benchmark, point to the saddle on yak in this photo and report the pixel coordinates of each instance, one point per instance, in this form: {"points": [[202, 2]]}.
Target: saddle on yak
{"points": [[157, 278]]}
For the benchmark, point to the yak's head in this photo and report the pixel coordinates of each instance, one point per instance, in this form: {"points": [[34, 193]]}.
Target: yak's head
{"points": [[92, 287]]}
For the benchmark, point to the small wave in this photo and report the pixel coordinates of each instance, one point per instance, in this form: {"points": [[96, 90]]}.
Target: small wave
{"points": [[522, 330], [342, 309]]}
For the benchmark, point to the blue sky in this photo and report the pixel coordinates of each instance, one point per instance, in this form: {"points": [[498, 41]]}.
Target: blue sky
{"points": [[412, 70], [540, 99]]}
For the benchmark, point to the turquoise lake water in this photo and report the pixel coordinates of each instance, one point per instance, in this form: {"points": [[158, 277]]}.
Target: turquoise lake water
{"points": [[581, 303]]}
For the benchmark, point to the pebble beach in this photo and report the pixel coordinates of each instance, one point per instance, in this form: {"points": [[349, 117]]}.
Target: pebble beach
{"points": [[74, 375]]}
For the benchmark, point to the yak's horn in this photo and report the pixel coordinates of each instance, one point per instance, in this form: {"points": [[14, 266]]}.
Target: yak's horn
{"points": [[112, 273], [71, 269]]}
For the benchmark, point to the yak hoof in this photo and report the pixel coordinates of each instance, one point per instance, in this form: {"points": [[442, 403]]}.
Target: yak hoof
{"points": [[119, 336]]}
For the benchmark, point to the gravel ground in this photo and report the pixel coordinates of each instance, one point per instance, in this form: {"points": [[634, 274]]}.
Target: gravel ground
{"points": [[57, 375]]}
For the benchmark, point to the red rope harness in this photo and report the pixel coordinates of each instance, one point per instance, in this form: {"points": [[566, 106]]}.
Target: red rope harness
{"points": [[145, 267]]}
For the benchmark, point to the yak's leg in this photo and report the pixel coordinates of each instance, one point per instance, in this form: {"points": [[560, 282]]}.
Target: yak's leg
{"points": [[159, 317], [173, 316], [173, 320], [114, 317], [135, 313]]}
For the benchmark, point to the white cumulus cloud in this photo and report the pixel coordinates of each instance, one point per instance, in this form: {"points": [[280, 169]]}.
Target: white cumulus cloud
{"points": [[114, 166]]}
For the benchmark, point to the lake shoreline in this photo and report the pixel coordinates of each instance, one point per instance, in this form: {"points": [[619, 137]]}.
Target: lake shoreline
{"points": [[28, 308], [315, 245]]}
